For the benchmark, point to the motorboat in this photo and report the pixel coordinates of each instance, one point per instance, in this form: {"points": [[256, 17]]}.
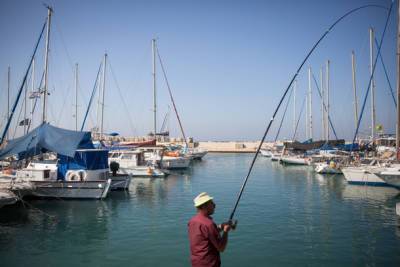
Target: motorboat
{"points": [[266, 153], [327, 168], [294, 160], [134, 164], [166, 159]]}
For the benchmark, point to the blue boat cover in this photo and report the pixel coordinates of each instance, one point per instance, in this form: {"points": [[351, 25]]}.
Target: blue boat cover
{"points": [[90, 159], [47, 138]]}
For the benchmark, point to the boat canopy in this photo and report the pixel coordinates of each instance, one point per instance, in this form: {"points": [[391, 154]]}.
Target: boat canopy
{"points": [[84, 159], [313, 145], [47, 138]]}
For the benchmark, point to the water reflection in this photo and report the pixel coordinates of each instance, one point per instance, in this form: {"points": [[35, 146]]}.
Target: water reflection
{"points": [[156, 190]]}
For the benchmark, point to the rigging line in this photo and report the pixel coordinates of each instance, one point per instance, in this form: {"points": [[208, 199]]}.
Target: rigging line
{"points": [[284, 95], [325, 108], [122, 98], [387, 77], [166, 117], [22, 86], [172, 98], [284, 114], [36, 100], [91, 97], [63, 45], [298, 120], [63, 106], [18, 118], [372, 75], [83, 97]]}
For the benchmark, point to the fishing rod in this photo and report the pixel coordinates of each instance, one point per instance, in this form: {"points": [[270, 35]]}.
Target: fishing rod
{"points": [[284, 95]]}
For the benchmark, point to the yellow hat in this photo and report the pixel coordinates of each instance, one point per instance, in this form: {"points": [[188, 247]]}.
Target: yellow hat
{"points": [[201, 199]]}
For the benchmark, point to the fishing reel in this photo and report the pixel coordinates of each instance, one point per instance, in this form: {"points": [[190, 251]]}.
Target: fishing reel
{"points": [[231, 223]]}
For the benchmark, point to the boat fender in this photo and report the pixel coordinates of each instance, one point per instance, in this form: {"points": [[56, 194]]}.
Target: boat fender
{"points": [[149, 171]]}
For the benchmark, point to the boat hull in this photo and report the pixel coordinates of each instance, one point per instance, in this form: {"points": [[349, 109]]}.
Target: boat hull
{"points": [[294, 161], [175, 163], [71, 190], [142, 171], [324, 168], [266, 153], [120, 182], [390, 177], [355, 175]]}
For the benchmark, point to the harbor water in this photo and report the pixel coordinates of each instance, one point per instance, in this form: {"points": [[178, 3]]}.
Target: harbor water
{"points": [[288, 216]]}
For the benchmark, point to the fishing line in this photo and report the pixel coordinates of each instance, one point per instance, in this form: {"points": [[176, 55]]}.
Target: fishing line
{"points": [[285, 93]]}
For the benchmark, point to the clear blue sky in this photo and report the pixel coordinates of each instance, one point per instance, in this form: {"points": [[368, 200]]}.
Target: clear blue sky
{"points": [[228, 62]]}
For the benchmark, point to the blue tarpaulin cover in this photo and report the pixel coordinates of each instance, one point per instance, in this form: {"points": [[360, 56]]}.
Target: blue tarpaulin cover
{"points": [[46, 138], [90, 159]]}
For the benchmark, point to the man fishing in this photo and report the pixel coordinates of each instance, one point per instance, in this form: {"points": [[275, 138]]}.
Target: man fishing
{"points": [[206, 243]]}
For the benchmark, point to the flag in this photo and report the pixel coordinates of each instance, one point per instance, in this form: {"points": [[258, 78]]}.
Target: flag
{"points": [[24, 122], [35, 94]]}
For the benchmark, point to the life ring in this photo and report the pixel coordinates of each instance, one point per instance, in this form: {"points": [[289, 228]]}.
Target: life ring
{"points": [[82, 174], [76, 175], [72, 176]]}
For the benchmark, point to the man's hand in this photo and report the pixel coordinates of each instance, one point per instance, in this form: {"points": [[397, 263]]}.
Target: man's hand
{"points": [[226, 227]]}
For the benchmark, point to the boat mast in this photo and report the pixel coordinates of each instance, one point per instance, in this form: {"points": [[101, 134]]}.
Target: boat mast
{"points": [[294, 106], [153, 41], [398, 85], [76, 96], [25, 103], [32, 92], [46, 60], [307, 124], [310, 134], [322, 104], [8, 96], [104, 87], [371, 44], [353, 67], [327, 100]]}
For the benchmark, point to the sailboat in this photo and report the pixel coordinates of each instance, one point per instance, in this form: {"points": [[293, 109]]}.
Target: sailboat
{"points": [[78, 170]]}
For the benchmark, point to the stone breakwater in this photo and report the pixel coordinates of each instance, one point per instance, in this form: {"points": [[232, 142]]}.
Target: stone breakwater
{"points": [[230, 146], [222, 146]]}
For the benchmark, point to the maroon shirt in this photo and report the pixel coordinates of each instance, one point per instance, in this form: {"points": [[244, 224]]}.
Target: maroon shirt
{"points": [[204, 241]]}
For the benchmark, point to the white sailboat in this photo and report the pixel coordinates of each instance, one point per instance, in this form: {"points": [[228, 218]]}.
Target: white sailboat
{"points": [[76, 174]]}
